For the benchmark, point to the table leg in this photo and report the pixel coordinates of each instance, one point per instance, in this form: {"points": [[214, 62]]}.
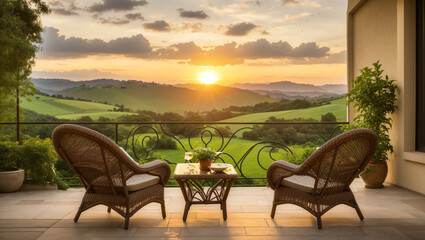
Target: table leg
{"points": [[186, 211], [224, 209]]}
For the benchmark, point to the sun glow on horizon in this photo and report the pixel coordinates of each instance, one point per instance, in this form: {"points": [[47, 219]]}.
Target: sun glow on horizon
{"points": [[208, 78]]}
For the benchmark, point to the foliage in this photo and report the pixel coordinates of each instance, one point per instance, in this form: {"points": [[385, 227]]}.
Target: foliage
{"points": [[20, 37], [374, 98], [37, 157], [164, 142], [337, 107], [201, 153], [6, 164], [328, 117], [299, 157], [290, 134]]}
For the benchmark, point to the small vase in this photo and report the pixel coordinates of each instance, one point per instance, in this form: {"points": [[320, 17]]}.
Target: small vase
{"points": [[204, 165]]}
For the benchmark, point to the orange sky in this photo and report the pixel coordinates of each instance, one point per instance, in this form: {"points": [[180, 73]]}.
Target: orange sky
{"points": [[176, 41]]}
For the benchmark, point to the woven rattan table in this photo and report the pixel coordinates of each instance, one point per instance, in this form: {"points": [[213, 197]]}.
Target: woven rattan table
{"points": [[204, 187]]}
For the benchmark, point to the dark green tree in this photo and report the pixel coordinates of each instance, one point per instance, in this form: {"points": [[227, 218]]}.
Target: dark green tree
{"points": [[328, 117], [20, 38]]}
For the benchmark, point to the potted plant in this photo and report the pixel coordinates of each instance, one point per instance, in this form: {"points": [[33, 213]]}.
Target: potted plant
{"points": [[37, 157], [204, 156], [11, 177], [374, 99]]}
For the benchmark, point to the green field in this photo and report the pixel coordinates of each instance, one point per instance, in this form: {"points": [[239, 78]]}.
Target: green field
{"points": [[337, 107], [165, 98], [237, 149], [69, 109]]}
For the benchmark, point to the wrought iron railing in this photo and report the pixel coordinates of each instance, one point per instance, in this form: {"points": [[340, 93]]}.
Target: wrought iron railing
{"points": [[202, 134]]}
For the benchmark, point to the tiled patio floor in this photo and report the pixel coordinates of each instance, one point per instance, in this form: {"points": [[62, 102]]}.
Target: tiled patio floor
{"points": [[390, 213]]}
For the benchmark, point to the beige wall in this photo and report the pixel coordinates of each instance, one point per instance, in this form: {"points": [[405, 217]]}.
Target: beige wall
{"points": [[385, 30]]}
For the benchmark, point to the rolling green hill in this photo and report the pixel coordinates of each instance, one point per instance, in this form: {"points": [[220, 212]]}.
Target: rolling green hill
{"points": [[337, 107], [166, 98], [69, 109]]}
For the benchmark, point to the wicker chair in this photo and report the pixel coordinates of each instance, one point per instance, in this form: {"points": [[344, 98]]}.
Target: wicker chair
{"points": [[323, 180], [111, 177]]}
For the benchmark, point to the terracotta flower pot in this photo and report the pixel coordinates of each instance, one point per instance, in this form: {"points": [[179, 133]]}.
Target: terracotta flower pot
{"points": [[375, 174], [204, 165], [11, 181]]}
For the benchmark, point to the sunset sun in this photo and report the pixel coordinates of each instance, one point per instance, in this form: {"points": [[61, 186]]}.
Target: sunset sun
{"points": [[208, 78]]}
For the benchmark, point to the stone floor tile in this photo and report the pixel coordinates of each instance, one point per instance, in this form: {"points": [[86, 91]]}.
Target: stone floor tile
{"points": [[247, 222], [194, 223], [55, 212], [212, 214], [385, 232], [252, 231], [86, 233], [20, 235], [145, 222], [165, 232], [30, 202], [291, 238], [25, 223], [90, 223], [215, 238], [247, 215], [309, 222], [325, 231], [212, 231], [23, 229]]}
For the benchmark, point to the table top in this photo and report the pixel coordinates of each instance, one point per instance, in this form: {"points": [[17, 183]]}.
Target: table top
{"points": [[191, 170]]}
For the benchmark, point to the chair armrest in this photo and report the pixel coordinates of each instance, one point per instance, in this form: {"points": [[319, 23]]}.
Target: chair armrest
{"points": [[156, 168], [279, 170]]}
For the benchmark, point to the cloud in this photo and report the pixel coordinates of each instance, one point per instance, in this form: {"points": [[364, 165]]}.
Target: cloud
{"points": [[194, 27], [289, 2], [119, 21], [116, 5], [59, 8], [240, 29], [134, 16], [192, 14], [296, 16], [158, 25], [256, 2], [308, 3], [333, 58], [56, 46], [180, 51], [231, 53], [79, 74]]}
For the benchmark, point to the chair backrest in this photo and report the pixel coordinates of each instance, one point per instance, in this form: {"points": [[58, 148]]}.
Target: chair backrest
{"points": [[335, 164], [96, 159]]}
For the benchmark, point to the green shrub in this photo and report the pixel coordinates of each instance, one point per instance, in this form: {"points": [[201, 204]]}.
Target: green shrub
{"points": [[37, 157], [6, 164], [374, 99], [163, 143]]}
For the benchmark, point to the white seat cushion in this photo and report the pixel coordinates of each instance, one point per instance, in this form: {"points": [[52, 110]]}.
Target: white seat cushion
{"points": [[140, 181], [306, 183], [299, 182]]}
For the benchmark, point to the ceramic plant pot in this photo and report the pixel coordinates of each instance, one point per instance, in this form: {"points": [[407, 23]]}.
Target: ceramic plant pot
{"points": [[375, 174], [11, 181], [204, 165]]}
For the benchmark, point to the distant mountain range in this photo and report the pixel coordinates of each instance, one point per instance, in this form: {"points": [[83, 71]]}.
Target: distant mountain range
{"points": [[53, 86], [138, 95], [291, 90]]}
